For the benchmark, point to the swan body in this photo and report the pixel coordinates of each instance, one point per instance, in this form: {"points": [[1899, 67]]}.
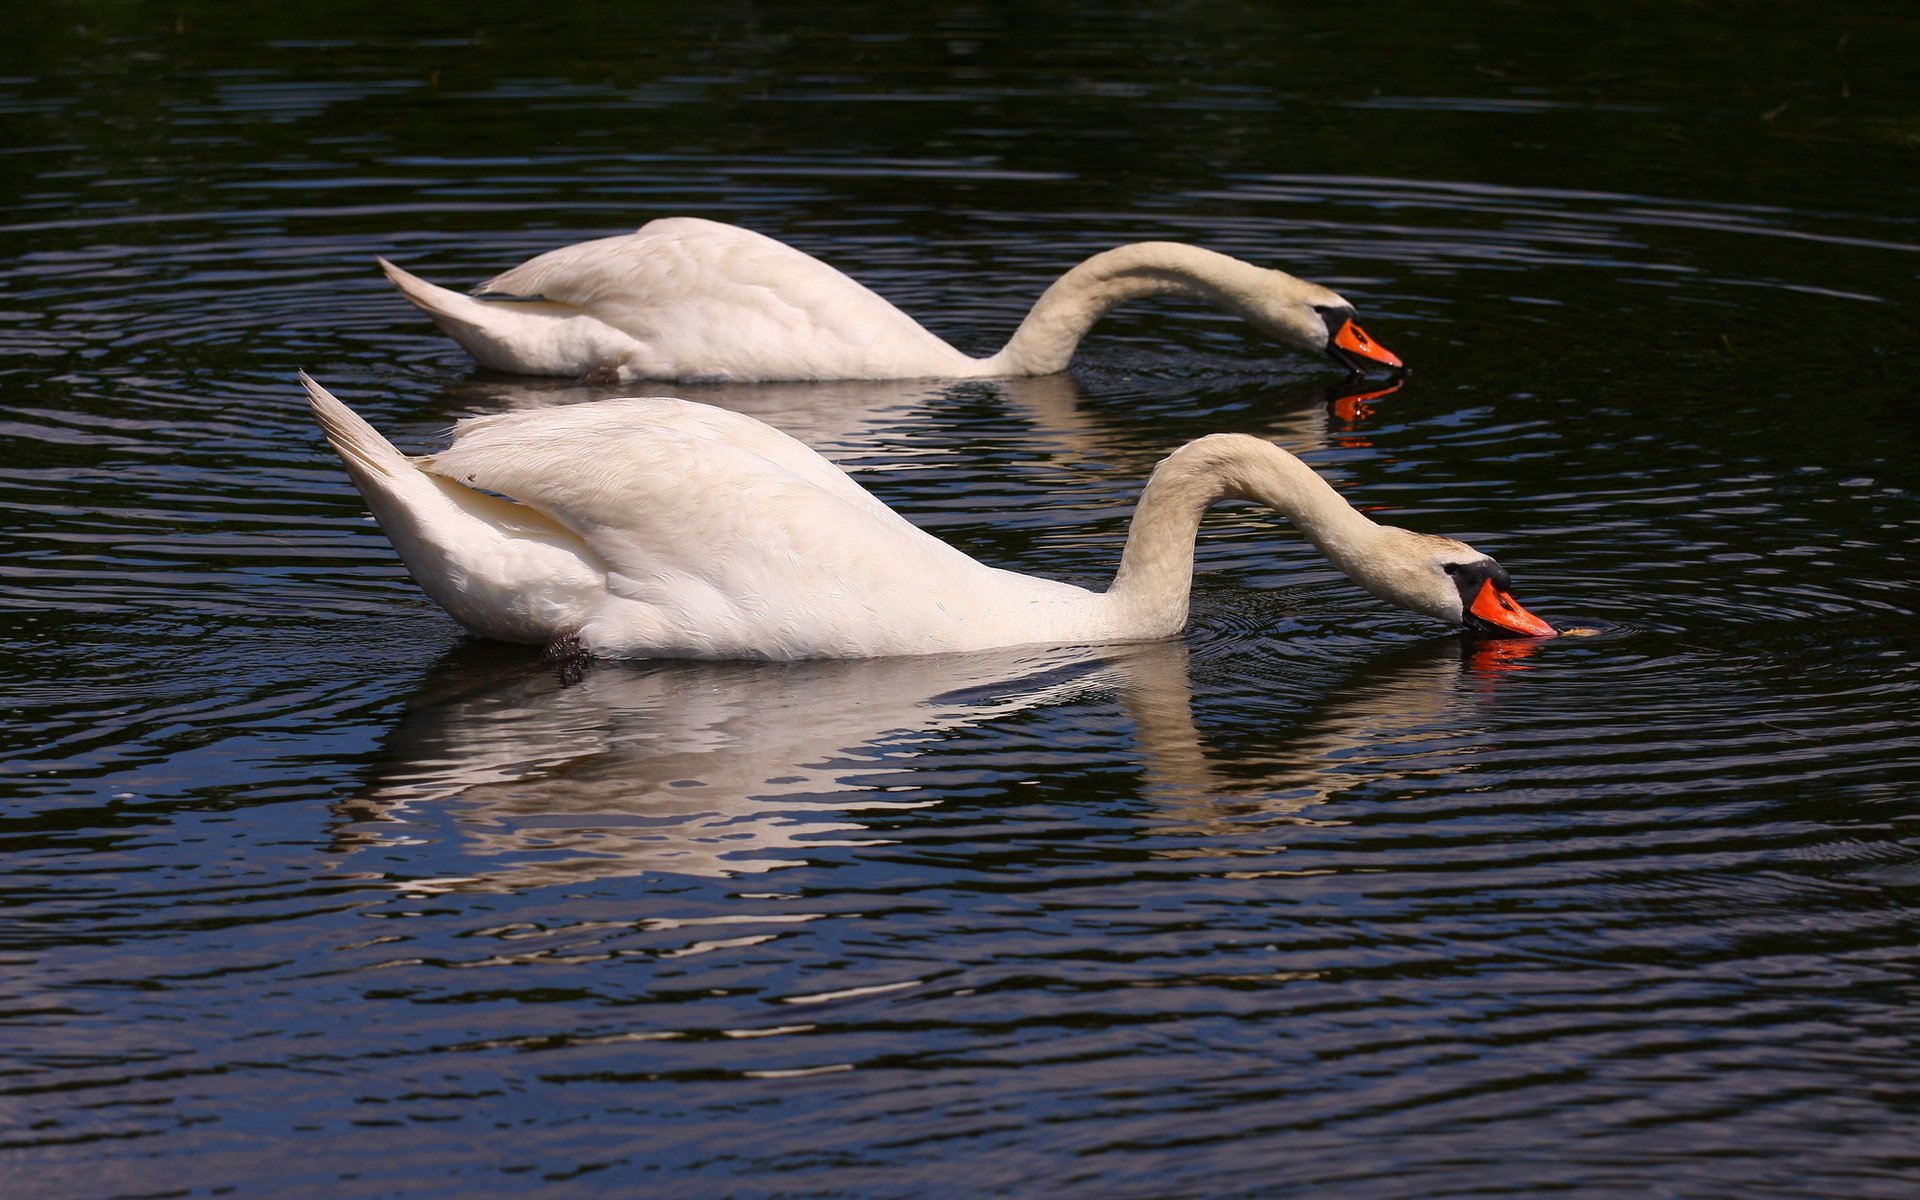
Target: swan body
{"points": [[661, 528], [690, 299]]}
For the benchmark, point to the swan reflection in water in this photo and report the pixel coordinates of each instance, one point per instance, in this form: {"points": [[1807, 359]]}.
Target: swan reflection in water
{"points": [[693, 768], [503, 775]]}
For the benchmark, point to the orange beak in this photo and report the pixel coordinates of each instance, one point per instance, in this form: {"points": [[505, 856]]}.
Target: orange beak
{"points": [[1496, 607], [1359, 347]]}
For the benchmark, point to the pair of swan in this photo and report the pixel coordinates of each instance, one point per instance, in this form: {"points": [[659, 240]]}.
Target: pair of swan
{"points": [[664, 528]]}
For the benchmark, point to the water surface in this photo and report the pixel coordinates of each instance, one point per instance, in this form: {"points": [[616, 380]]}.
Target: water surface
{"points": [[307, 894]]}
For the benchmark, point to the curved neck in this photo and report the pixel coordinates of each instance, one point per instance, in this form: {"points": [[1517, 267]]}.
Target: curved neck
{"points": [[1156, 570], [1046, 340]]}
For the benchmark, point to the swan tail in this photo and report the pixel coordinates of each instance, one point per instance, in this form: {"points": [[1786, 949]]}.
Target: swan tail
{"points": [[442, 304], [413, 510], [499, 568], [531, 335], [369, 457]]}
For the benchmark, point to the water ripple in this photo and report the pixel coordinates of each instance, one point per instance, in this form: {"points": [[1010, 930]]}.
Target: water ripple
{"points": [[289, 862]]}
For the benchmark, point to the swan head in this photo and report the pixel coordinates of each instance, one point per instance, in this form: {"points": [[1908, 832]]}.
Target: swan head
{"points": [[1318, 320], [1449, 580], [1334, 333], [1348, 344]]}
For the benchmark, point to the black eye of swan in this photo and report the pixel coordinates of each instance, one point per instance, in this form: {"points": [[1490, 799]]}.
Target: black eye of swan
{"points": [[1451, 568]]}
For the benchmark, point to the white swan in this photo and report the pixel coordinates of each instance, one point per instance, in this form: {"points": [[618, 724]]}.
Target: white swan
{"points": [[660, 528], [686, 298]]}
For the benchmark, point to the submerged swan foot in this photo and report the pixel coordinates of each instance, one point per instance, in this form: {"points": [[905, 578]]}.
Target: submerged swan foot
{"points": [[602, 375], [568, 658]]}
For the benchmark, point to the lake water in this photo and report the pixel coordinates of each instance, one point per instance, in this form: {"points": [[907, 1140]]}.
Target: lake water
{"points": [[304, 894]]}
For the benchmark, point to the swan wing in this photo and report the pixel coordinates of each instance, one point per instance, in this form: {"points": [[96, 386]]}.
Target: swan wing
{"points": [[722, 535], [645, 419], [708, 300]]}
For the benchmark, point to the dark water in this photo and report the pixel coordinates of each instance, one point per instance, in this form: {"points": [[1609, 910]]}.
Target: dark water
{"points": [[304, 894]]}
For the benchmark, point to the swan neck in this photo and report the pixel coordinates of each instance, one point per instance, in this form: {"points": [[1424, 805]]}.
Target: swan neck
{"points": [[1156, 570], [1053, 328]]}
